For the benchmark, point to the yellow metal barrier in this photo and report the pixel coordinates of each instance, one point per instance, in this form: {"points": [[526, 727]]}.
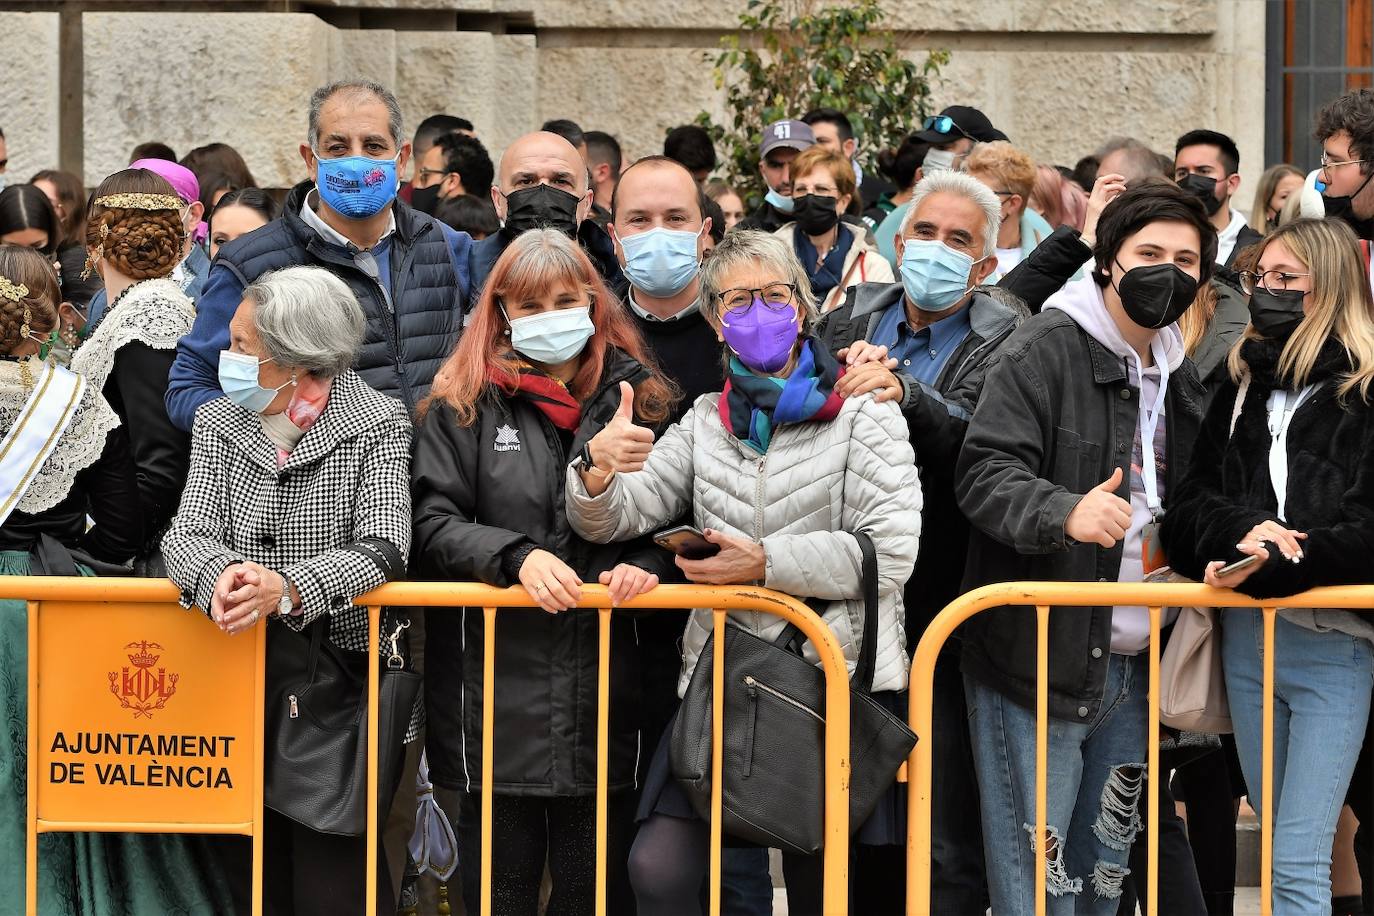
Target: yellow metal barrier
{"points": [[721, 600], [166, 700], [1042, 596], [150, 595]]}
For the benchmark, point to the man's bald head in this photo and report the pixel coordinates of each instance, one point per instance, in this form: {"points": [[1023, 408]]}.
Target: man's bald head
{"points": [[542, 157], [667, 176]]}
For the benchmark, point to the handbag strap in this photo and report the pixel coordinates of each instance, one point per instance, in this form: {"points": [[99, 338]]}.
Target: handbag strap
{"points": [[868, 648], [791, 639]]}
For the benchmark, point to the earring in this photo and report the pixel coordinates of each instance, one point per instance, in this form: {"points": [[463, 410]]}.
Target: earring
{"points": [[69, 335]]}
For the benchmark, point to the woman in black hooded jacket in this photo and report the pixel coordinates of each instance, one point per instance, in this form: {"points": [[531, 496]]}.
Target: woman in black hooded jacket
{"points": [[548, 360]]}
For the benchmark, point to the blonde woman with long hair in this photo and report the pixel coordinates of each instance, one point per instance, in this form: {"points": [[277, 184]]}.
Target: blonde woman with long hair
{"points": [[1281, 472]]}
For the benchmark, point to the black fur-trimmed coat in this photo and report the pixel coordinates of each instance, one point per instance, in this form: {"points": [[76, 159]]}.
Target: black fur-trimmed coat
{"points": [[1330, 496]]}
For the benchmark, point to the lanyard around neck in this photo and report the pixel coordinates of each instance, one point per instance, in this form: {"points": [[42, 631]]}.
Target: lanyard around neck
{"points": [[1149, 425]]}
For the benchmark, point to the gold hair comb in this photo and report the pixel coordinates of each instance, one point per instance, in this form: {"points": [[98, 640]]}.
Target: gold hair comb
{"points": [[136, 201], [14, 292]]}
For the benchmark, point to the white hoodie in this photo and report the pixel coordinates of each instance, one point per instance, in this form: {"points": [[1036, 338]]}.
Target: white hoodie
{"points": [[1082, 300]]}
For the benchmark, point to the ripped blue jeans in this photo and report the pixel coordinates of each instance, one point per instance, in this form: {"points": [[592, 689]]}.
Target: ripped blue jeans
{"points": [[1096, 776]]}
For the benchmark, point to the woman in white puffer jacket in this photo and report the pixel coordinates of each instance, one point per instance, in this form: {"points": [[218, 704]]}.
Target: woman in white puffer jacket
{"points": [[778, 470]]}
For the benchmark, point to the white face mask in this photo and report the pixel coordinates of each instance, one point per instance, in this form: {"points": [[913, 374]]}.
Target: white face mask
{"points": [[938, 160], [551, 338]]}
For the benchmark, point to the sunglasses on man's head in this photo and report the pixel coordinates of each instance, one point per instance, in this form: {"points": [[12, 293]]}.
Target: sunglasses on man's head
{"points": [[943, 124]]}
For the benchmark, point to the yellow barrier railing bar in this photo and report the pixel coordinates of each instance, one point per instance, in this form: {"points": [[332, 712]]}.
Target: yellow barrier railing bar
{"points": [[1042, 745], [721, 599], [603, 750], [37, 589], [717, 740], [1043, 595], [1269, 615], [1151, 783]]}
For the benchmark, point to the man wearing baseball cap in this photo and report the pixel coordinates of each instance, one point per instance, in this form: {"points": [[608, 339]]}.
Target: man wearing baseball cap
{"points": [[782, 140], [952, 135], [190, 273]]}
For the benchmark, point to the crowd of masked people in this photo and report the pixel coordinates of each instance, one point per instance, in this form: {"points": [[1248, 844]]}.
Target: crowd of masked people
{"points": [[874, 391]]}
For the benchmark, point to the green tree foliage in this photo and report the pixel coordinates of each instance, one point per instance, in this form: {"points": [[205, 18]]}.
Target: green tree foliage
{"points": [[790, 56]]}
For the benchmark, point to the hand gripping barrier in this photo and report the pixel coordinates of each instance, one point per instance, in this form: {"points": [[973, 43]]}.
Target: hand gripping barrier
{"points": [[1042, 596], [71, 623]]}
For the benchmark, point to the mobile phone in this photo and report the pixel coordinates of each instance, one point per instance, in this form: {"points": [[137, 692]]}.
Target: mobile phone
{"points": [[686, 542], [1242, 563]]}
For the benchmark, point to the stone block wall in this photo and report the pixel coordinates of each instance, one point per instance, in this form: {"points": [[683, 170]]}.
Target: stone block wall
{"points": [[1059, 76]]}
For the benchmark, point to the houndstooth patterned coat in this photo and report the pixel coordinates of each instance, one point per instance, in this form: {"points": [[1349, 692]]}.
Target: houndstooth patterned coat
{"points": [[335, 519]]}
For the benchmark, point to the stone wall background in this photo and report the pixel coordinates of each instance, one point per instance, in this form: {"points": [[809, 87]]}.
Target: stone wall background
{"points": [[1059, 76]]}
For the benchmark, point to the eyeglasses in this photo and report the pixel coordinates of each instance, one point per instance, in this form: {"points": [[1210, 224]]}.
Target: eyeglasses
{"points": [[1275, 281], [1329, 165], [1004, 193], [776, 296], [943, 124], [422, 173]]}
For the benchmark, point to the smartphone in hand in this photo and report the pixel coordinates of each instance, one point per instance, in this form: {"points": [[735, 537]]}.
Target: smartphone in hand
{"points": [[1243, 563], [686, 542]]}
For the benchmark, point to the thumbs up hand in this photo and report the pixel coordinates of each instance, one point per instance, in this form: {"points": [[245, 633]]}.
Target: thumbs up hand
{"points": [[621, 446], [1101, 517]]}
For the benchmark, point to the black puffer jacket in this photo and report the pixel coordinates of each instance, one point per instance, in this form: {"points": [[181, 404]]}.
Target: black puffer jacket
{"points": [[478, 493], [1330, 494], [408, 337], [1057, 415]]}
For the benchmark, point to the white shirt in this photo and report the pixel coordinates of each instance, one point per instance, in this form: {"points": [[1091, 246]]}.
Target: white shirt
{"points": [[328, 232], [650, 316], [1226, 238]]}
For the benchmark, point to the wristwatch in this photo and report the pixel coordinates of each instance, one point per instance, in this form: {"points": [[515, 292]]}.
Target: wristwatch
{"points": [[285, 606]]}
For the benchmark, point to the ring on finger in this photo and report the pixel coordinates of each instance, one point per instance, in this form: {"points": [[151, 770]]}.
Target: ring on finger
{"points": [[540, 588]]}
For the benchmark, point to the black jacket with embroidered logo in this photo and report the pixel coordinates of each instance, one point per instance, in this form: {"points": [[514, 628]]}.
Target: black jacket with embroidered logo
{"points": [[482, 492]]}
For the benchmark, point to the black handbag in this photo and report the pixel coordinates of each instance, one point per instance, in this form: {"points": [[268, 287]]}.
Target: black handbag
{"points": [[315, 771], [773, 734]]}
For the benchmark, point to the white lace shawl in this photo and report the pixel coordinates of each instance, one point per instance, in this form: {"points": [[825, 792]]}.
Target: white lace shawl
{"points": [[153, 312], [81, 444]]}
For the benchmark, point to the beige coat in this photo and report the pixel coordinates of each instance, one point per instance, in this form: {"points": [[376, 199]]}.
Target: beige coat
{"points": [[817, 483], [862, 264]]}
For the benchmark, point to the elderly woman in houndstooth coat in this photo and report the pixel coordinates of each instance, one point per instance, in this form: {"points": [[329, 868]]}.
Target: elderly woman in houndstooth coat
{"points": [[298, 501]]}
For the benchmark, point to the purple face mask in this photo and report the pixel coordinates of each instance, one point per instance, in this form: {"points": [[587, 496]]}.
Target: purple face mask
{"points": [[762, 337]]}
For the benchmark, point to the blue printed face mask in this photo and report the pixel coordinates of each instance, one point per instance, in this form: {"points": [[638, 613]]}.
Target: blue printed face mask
{"points": [[934, 275], [779, 201], [238, 378], [355, 186], [551, 338], [661, 262]]}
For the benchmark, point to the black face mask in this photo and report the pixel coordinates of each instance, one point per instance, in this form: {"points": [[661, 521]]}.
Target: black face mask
{"points": [[542, 206], [815, 215], [1204, 188], [426, 200], [1343, 209], [1276, 315], [1156, 296]]}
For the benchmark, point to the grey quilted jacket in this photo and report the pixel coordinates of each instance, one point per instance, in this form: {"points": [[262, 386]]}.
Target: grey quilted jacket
{"points": [[817, 483]]}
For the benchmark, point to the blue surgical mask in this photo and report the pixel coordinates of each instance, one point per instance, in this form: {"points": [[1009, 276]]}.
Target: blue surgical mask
{"points": [[661, 262], [355, 186], [238, 378], [934, 275], [552, 338], [779, 201]]}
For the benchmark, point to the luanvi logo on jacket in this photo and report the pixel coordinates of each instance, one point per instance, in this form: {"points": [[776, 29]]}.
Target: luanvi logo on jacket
{"points": [[507, 439]]}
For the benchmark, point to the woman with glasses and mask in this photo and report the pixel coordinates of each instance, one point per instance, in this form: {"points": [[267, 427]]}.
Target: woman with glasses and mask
{"points": [[549, 358], [1280, 478], [778, 471], [835, 255]]}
